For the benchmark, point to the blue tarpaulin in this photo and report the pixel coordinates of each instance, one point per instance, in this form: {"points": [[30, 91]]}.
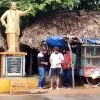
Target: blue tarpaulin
{"points": [[91, 40], [55, 41]]}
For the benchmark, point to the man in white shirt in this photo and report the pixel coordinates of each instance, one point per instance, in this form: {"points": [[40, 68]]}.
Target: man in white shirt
{"points": [[56, 60]]}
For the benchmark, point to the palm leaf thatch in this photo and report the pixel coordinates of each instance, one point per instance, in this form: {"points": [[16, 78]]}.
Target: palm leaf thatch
{"points": [[62, 23]]}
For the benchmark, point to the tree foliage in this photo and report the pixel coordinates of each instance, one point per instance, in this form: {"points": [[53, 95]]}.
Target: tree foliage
{"points": [[48, 5], [89, 5], [40, 5], [44, 5]]}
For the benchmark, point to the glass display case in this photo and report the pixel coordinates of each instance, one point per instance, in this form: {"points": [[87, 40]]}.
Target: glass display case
{"points": [[90, 56], [90, 63]]}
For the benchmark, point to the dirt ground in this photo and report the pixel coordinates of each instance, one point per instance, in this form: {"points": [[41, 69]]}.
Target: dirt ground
{"points": [[63, 94], [74, 91]]}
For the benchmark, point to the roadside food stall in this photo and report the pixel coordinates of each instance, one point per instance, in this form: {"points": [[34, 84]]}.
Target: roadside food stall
{"points": [[88, 64], [90, 61], [63, 42]]}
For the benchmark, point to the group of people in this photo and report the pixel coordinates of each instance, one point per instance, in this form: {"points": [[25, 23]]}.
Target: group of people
{"points": [[59, 63]]}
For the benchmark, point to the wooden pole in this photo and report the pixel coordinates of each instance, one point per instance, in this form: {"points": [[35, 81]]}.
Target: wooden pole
{"points": [[31, 62], [73, 80]]}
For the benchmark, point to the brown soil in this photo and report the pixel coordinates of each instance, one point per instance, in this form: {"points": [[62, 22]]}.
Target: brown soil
{"points": [[76, 91]]}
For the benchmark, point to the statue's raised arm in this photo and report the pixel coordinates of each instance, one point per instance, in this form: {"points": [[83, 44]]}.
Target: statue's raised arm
{"points": [[23, 13]]}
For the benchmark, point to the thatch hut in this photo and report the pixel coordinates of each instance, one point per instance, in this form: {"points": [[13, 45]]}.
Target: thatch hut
{"points": [[57, 23], [62, 23]]}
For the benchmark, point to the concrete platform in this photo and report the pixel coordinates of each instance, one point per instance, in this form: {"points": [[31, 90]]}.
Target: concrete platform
{"points": [[17, 84]]}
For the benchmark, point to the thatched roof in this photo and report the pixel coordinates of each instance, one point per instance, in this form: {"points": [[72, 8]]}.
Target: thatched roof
{"points": [[62, 23]]}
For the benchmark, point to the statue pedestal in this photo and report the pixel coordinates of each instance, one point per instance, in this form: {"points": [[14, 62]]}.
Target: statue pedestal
{"points": [[12, 63]]}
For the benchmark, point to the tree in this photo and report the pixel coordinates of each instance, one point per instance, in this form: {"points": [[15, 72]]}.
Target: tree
{"points": [[48, 5], [40, 5], [43, 5], [89, 5]]}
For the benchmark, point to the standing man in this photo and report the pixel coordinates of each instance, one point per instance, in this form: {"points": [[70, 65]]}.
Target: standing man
{"points": [[42, 67], [56, 59], [67, 69], [12, 25]]}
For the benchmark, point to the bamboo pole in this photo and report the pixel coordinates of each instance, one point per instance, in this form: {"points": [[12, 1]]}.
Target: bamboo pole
{"points": [[73, 80]]}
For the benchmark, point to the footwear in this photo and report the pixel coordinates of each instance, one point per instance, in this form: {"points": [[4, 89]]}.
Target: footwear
{"points": [[51, 88], [64, 87], [57, 88], [40, 88], [69, 87]]}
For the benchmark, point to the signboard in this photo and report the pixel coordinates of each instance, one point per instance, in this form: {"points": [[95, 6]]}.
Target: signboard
{"points": [[93, 72], [14, 66]]}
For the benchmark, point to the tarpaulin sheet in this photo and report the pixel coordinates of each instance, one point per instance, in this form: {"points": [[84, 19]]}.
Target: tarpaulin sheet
{"points": [[91, 40], [55, 41]]}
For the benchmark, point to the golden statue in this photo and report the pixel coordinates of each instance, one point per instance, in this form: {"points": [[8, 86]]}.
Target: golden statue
{"points": [[11, 21]]}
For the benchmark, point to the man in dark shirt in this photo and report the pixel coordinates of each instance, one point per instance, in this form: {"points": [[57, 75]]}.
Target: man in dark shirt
{"points": [[41, 67]]}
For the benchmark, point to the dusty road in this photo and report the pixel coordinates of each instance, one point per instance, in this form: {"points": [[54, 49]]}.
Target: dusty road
{"points": [[76, 94], [54, 97]]}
